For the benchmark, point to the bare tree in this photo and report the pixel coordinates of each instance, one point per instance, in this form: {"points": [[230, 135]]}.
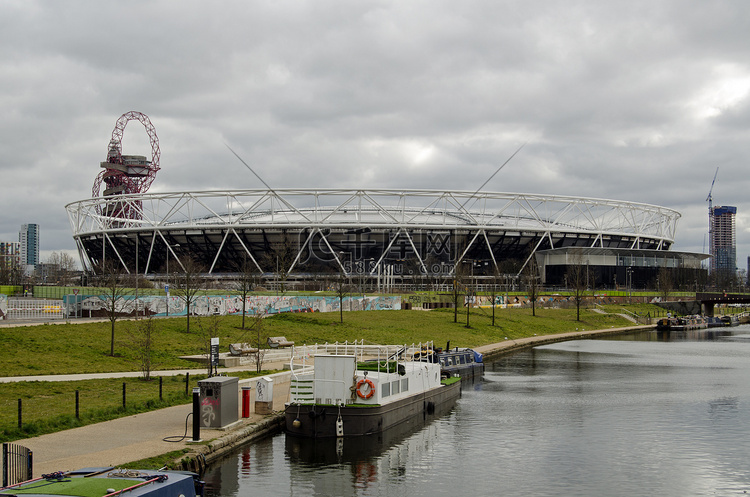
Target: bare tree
{"points": [[341, 288], [189, 283], [493, 290], [247, 279], [280, 258], [11, 272], [208, 328], [531, 277], [665, 282], [260, 312], [142, 339], [112, 279], [458, 289], [468, 300], [577, 279], [62, 266]]}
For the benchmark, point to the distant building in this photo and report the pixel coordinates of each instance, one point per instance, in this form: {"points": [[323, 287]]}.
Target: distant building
{"points": [[10, 254], [723, 239], [28, 238]]}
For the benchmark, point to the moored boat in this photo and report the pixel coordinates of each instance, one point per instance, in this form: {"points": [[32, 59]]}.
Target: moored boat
{"points": [[714, 322], [344, 397], [731, 320], [682, 323], [110, 482], [466, 363]]}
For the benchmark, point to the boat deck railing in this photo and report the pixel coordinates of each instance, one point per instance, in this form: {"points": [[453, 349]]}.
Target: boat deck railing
{"points": [[302, 360]]}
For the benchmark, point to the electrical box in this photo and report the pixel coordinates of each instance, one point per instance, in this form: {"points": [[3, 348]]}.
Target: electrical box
{"points": [[264, 395], [219, 400]]}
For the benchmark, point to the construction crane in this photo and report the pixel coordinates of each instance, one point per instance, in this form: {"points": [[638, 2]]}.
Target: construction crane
{"points": [[709, 199]]}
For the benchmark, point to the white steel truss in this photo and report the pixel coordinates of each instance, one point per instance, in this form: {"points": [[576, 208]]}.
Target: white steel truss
{"points": [[548, 217]]}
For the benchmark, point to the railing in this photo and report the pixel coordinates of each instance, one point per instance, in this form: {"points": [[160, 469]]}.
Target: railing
{"points": [[35, 309], [17, 464], [302, 379]]}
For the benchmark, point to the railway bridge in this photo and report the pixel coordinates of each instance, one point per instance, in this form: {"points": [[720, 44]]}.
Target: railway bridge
{"points": [[709, 300]]}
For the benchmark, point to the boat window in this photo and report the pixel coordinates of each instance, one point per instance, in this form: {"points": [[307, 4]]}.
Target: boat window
{"points": [[463, 359], [395, 387], [405, 385], [385, 389]]}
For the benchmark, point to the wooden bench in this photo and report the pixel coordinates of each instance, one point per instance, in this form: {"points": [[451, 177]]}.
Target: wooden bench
{"points": [[241, 349], [276, 342]]}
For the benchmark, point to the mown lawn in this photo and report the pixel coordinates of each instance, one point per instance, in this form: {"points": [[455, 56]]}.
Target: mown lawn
{"points": [[84, 348]]}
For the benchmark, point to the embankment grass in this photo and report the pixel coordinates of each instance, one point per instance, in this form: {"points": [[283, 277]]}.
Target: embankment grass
{"points": [[84, 348]]}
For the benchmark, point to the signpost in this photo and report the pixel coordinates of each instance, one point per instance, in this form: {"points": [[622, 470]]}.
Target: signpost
{"points": [[214, 362]]}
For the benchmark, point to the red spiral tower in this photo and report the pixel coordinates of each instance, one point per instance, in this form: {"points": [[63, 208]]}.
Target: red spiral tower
{"points": [[126, 174]]}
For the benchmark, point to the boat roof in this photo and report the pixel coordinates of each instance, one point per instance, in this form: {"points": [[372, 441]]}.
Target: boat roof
{"points": [[98, 482]]}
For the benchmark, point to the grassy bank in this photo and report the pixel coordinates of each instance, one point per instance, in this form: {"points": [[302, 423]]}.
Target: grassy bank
{"points": [[80, 348]]}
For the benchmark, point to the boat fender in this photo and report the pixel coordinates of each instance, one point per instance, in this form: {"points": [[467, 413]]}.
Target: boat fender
{"points": [[369, 392], [297, 423]]}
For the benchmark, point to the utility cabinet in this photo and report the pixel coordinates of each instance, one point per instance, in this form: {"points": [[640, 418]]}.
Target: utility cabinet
{"points": [[219, 399]]}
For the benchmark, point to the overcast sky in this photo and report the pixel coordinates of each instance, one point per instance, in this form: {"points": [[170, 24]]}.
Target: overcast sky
{"points": [[627, 100]]}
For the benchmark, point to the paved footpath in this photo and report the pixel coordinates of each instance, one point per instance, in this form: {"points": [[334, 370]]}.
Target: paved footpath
{"points": [[127, 439], [131, 438]]}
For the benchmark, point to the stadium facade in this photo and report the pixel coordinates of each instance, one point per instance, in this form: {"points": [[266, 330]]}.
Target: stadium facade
{"points": [[382, 237]]}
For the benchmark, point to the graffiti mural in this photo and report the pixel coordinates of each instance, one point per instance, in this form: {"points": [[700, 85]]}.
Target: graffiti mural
{"points": [[222, 305]]}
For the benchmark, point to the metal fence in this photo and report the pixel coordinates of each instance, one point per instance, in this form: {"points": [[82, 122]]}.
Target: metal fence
{"points": [[38, 309], [18, 464]]}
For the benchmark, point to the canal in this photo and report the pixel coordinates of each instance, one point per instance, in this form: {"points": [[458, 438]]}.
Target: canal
{"points": [[635, 415]]}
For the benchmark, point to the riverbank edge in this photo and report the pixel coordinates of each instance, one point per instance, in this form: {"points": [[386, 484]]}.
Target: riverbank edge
{"points": [[200, 456], [509, 346]]}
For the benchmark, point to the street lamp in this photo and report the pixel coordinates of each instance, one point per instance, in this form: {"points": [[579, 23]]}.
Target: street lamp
{"points": [[167, 285], [629, 272]]}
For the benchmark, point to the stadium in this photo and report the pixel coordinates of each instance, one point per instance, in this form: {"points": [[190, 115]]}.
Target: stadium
{"points": [[384, 239]]}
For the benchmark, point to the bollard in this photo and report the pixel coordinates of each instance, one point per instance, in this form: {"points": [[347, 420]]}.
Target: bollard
{"points": [[246, 402], [196, 415], [78, 412], [123, 395], [187, 382], [20, 422], [160, 389]]}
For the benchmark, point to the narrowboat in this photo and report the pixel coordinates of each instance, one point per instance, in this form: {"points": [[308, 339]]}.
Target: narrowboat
{"points": [[110, 482], [682, 323], [342, 396], [731, 320], [466, 363]]}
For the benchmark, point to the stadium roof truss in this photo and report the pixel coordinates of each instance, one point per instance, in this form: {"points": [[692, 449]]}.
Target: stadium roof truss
{"points": [[213, 222]]}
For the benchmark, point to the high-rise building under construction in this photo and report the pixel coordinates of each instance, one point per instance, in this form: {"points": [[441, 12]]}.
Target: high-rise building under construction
{"points": [[723, 240]]}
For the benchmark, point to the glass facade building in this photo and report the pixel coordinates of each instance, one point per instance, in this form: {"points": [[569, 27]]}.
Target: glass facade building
{"points": [[28, 238]]}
